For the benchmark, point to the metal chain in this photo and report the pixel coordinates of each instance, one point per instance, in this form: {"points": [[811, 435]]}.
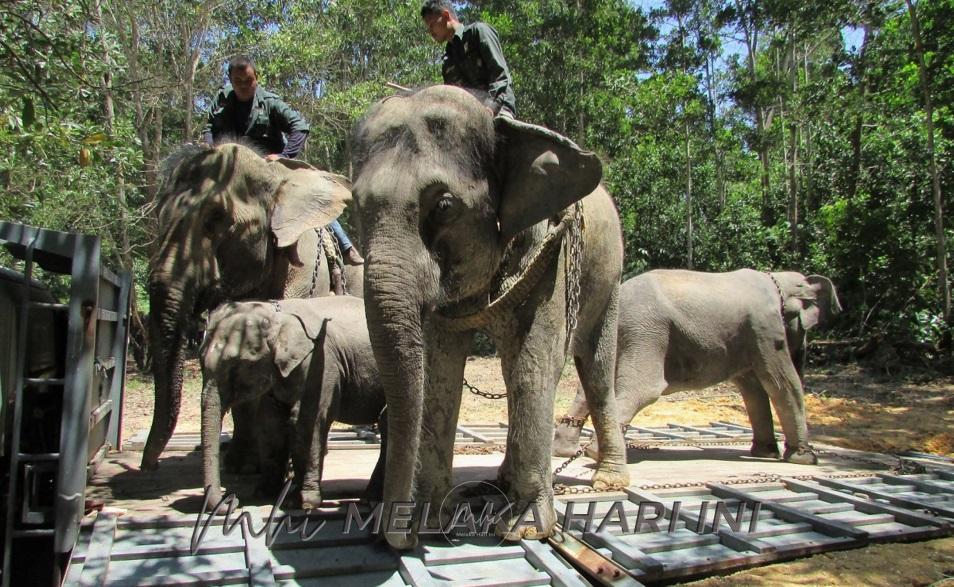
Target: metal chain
{"points": [[473, 389], [781, 296], [314, 274], [902, 467], [573, 269]]}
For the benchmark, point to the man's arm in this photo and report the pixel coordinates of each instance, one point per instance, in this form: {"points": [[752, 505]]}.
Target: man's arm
{"points": [[216, 110], [293, 125], [498, 74]]}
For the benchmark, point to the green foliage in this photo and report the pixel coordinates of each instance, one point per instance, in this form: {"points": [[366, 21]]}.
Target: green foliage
{"points": [[751, 122]]}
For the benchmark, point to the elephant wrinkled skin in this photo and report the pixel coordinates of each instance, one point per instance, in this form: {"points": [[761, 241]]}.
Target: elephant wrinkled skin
{"points": [[685, 330], [310, 355], [451, 202], [231, 226]]}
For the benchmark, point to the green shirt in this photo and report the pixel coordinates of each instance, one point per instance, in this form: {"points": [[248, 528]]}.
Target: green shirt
{"points": [[263, 121], [473, 59]]}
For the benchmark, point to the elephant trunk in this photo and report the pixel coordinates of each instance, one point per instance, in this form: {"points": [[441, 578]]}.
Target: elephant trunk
{"points": [[395, 297], [170, 314], [211, 431]]}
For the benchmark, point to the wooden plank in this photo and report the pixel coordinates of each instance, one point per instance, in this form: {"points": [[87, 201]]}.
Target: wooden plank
{"points": [[818, 523], [907, 502], [629, 555], [663, 433], [596, 566], [708, 431], [541, 556], [925, 486], [257, 558], [863, 505], [96, 564], [414, 572], [474, 434]]}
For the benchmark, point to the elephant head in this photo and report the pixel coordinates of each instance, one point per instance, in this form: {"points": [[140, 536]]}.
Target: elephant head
{"points": [[250, 350], [230, 226], [807, 302], [441, 188]]}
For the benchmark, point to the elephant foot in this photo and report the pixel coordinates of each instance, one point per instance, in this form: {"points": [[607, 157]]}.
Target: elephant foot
{"points": [[800, 456], [309, 499], [566, 440], [610, 478], [214, 498], [400, 540], [530, 523], [768, 450]]}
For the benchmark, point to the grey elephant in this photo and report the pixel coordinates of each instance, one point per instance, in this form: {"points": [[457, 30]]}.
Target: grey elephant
{"points": [[685, 330], [309, 362], [466, 220], [231, 226]]}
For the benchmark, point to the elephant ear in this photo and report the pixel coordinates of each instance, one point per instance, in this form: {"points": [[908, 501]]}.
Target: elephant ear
{"points": [[291, 345], [543, 173], [307, 198], [827, 303]]}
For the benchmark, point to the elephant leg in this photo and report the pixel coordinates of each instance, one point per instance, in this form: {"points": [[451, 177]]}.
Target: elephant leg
{"points": [[273, 417], [780, 380], [760, 416], [566, 435], [446, 357], [532, 363], [375, 490], [243, 455], [640, 381], [595, 357]]}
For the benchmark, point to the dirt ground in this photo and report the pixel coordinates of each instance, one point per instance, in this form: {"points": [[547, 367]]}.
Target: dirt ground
{"points": [[847, 406]]}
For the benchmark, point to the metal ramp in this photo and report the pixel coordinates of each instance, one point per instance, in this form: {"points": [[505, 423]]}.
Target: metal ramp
{"points": [[699, 530], [129, 552], [668, 534]]}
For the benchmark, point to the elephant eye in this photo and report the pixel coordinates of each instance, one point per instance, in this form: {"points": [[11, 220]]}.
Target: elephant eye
{"points": [[445, 208]]}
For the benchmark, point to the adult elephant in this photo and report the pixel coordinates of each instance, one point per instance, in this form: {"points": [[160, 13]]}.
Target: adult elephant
{"points": [[464, 218], [231, 226], [684, 330]]}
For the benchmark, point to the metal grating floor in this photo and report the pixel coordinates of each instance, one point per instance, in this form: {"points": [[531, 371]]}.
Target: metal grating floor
{"points": [[782, 519]]}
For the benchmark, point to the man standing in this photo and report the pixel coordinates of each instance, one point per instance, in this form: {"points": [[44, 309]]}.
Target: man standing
{"points": [[243, 109], [472, 56]]}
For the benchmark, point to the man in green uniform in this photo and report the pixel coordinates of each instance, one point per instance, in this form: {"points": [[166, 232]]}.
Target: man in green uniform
{"points": [[243, 109], [472, 56]]}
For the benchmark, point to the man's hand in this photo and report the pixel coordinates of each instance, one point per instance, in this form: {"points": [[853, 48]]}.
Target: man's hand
{"points": [[273, 157]]}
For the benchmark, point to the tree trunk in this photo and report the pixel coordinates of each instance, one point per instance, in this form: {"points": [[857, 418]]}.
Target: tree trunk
{"points": [[925, 83]]}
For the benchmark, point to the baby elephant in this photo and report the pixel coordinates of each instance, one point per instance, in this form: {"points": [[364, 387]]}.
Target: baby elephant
{"points": [[684, 330], [315, 353]]}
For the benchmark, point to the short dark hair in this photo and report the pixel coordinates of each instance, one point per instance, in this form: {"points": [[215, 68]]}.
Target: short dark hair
{"points": [[240, 62], [435, 7]]}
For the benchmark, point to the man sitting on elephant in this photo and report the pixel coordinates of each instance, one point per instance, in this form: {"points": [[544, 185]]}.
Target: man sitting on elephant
{"points": [[473, 57], [243, 109]]}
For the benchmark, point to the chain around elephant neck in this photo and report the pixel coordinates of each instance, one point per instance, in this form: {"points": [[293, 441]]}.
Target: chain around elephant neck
{"points": [[314, 274], [516, 289], [781, 296]]}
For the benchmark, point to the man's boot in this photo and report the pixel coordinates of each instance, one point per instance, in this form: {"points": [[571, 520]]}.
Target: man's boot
{"points": [[337, 281], [352, 257]]}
